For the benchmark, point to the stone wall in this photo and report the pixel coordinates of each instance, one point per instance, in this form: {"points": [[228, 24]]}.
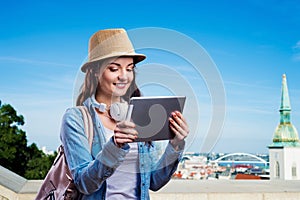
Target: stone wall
{"points": [[196, 189]]}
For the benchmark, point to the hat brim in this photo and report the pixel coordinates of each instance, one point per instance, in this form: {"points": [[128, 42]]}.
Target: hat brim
{"points": [[136, 59]]}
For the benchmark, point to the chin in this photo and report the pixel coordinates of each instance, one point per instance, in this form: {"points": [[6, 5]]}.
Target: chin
{"points": [[119, 94]]}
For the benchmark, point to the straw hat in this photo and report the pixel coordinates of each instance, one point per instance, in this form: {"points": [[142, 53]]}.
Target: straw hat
{"points": [[110, 43]]}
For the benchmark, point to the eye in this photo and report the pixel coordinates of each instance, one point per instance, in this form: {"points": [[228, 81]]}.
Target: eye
{"points": [[113, 69], [130, 69]]}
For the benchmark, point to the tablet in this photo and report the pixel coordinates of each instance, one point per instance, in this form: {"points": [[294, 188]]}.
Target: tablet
{"points": [[151, 116]]}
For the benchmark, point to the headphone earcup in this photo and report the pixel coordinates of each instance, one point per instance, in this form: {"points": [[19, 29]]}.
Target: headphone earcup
{"points": [[118, 111]]}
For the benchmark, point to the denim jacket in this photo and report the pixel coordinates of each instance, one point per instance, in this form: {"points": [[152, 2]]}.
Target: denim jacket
{"points": [[90, 169]]}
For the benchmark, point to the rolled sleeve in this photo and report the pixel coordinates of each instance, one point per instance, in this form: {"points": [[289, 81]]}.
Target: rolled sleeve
{"points": [[111, 155], [89, 174], [165, 167]]}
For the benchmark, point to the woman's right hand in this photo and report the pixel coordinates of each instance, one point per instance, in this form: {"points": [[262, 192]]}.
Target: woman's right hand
{"points": [[124, 132]]}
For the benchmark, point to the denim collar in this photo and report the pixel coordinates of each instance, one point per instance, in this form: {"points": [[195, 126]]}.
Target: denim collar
{"points": [[94, 102]]}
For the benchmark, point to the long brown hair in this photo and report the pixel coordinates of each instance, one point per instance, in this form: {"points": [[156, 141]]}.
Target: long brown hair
{"points": [[90, 84]]}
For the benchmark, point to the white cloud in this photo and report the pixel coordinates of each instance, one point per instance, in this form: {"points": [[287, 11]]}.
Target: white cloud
{"points": [[296, 54], [297, 46]]}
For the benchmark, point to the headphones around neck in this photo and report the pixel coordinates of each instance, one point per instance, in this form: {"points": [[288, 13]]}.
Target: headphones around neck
{"points": [[117, 110]]}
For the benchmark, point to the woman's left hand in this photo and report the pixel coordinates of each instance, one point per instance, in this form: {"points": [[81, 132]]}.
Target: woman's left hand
{"points": [[179, 127]]}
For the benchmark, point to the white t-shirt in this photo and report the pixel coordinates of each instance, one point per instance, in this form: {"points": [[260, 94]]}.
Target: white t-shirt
{"points": [[122, 184]]}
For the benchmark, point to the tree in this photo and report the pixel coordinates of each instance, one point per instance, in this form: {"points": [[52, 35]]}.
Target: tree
{"points": [[39, 163], [13, 140], [15, 155]]}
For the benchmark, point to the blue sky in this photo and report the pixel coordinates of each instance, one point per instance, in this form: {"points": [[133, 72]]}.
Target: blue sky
{"points": [[252, 43]]}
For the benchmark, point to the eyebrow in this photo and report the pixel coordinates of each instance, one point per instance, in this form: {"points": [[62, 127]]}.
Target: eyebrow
{"points": [[119, 65]]}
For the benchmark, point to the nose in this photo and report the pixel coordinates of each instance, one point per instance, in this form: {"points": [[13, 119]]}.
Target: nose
{"points": [[123, 75]]}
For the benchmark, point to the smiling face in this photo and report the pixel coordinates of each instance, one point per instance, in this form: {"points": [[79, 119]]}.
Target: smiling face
{"points": [[115, 78]]}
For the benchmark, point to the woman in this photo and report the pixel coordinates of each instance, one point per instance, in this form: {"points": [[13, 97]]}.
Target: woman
{"points": [[116, 167]]}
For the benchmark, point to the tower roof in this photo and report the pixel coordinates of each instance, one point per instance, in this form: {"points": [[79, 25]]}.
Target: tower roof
{"points": [[285, 99], [285, 134]]}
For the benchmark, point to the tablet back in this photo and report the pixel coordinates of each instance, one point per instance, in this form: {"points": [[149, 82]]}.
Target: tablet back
{"points": [[151, 116]]}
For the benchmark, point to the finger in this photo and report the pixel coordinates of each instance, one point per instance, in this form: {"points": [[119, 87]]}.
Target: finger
{"points": [[183, 124], [179, 129], [121, 141], [120, 138], [120, 135], [174, 123], [177, 133], [129, 131], [179, 114], [124, 124], [179, 121]]}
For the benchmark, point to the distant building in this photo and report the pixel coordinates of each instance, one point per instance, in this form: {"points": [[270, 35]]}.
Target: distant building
{"points": [[284, 152]]}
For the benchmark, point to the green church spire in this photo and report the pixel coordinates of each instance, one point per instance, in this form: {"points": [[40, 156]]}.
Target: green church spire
{"points": [[285, 134], [285, 106]]}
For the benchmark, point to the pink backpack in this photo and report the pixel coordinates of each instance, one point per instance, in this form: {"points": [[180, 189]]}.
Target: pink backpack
{"points": [[58, 183]]}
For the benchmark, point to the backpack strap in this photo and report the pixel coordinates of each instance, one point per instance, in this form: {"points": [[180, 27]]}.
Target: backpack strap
{"points": [[88, 124]]}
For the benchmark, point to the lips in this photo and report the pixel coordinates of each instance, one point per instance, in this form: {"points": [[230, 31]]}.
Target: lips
{"points": [[120, 85]]}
